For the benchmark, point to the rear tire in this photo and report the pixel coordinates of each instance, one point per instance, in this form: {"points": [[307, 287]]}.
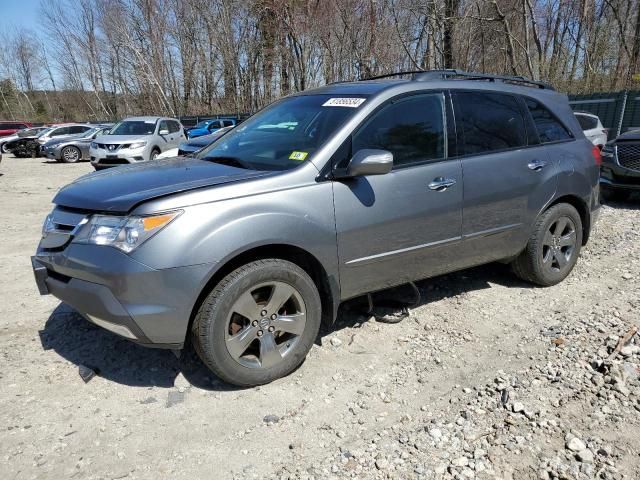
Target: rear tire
{"points": [[280, 319], [553, 248]]}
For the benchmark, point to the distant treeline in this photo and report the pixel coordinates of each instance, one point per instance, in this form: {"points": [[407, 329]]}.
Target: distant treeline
{"points": [[111, 58]]}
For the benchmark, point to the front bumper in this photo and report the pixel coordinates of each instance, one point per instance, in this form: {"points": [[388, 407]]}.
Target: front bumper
{"points": [[615, 176], [103, 158], [111, 289], [50, 153]]}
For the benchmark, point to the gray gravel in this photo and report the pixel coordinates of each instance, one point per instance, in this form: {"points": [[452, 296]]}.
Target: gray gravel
{"points": [[488, 378]]}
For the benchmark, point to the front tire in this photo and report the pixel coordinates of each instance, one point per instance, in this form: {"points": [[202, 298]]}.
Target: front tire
{"points": [[553, 248], [258, 323], [154, 154], [70, 154]]}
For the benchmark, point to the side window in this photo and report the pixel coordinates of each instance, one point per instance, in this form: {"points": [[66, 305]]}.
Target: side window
{"points": [[60, 131], [173, 126], [488, 122], [227, 123], [164, 125], [411, 128], [214, 124], [586, 122], [78, 129], [548, 126]]}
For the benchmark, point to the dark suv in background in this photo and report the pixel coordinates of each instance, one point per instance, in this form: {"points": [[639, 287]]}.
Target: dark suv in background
{"points": [[325, 195], [620, 172]]}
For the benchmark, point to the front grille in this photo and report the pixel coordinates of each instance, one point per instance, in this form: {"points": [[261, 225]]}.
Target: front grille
{"points": [[629, 155], [109, 147], [61, 229]]}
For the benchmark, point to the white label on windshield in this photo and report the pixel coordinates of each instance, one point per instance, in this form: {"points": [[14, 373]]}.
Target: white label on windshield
{"points": [[344, 102]]}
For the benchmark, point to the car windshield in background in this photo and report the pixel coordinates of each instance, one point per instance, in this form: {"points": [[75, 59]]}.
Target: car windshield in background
{"points": [[134, 127], [202, 124], [90, 132], [43, 132], [285, 134]]}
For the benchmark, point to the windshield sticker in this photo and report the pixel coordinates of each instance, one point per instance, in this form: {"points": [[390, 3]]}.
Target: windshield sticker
{"points": [[344, 102], [299, 156]]}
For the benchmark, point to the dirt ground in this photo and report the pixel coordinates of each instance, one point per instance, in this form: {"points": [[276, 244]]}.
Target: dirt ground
{"points": [[488, 378]]}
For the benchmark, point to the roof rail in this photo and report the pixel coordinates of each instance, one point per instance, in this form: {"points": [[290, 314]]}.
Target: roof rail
{"points": [[453, 74], [396, 74]]}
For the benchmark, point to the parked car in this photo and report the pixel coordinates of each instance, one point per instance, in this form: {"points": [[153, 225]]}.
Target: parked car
{"points": [[620, 171], [592, 128], [191, 146], [136, 139], [27, 132], [323, 196], [29, 146], [9, 128], [207, 127], [71, 149]]}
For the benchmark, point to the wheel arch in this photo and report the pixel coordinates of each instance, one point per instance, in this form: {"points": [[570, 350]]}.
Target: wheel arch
{"points": [[583, 210], [328, 289]]}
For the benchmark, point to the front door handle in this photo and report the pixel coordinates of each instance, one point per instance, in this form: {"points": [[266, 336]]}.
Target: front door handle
{"points": [[536, 165], [440, 184]]}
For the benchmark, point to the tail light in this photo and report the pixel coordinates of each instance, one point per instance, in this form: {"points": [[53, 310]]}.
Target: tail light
{"points": [[597, 156]]}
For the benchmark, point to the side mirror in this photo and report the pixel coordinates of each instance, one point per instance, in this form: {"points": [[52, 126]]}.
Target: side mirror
{"points": [[370, 162], [163, 132]]}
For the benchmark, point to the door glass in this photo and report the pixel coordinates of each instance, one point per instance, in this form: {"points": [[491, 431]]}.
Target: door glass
{"points": [[548, 126], [60, 131], [411, 128], [488, 122], [163, 126], [173, 126]]}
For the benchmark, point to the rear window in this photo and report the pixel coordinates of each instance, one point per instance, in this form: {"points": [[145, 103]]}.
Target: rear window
{"points": [[548, 126], [489, 122], [587, 122]]}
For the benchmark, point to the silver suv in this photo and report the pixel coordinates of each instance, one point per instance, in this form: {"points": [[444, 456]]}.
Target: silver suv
{"points": [[248, 246], [136, 139]]}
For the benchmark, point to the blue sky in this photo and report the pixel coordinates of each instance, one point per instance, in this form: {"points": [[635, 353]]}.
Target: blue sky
{"points": [[19, 14]]}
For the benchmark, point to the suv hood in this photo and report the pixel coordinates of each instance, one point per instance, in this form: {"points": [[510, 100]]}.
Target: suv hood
{"points": [[118, 139], [630, 135], [119, 189]]}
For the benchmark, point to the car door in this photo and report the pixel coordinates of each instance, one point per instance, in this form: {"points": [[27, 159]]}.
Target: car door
{"points": [[176, 133], [404, 225], [508, 177]]}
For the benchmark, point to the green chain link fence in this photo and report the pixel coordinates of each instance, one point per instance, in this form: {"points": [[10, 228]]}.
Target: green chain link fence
{"points": [[618, 111]]}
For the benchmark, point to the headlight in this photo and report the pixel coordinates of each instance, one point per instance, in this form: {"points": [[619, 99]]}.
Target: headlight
{"points": [[125, 233], [93, 145], [607, 151], [137, 145]]}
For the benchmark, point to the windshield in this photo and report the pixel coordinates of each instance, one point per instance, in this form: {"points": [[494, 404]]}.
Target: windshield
{"points": [[202, 124], [134, 127], [90, 132], [45, 131], [285, 134]]}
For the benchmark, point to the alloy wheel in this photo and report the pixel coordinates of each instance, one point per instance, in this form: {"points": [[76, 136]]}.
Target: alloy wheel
{"points": [[264, 324], [559, 244], [70, 154]]}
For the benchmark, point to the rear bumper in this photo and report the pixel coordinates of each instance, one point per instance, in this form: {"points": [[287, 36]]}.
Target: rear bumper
{"points": [[150, 307]]}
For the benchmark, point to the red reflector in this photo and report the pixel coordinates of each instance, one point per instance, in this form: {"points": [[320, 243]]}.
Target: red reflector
{"points": [[596, 155]]}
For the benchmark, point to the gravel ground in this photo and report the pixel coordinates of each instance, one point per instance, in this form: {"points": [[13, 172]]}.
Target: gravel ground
{"points": [[487, 378]]}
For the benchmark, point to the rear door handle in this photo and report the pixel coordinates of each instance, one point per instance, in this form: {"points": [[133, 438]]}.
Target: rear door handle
{"points": [[440, 184], [536, 165]]}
